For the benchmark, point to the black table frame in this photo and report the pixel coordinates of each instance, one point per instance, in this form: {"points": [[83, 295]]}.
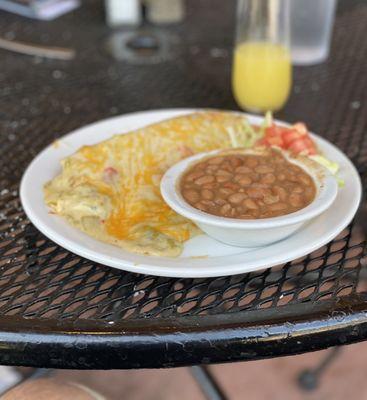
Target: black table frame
{"points": [[58, 310]]}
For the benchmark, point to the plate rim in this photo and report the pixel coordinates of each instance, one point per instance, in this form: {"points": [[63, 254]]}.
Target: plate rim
{"points": [[148, 269]]}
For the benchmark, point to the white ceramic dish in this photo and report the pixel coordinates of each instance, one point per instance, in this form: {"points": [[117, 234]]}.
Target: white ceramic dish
{"points": [[255, 232], [202, 256]]}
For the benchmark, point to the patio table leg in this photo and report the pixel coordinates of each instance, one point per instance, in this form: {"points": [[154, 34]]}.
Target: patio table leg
{"points": [[207, 383], [309, 378]]}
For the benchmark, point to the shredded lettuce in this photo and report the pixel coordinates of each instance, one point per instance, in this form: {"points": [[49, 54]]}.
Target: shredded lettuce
{"points": [[267, 123], [246, 135], [332, 166], [232, 137], [268, 120]]}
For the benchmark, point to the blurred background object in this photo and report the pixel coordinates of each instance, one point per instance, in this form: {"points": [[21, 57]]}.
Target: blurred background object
{"points": [[165, 11], [125, 12], [9, 377], [36, 50], [40, 9], [143, 46], [311, 28], [133, 12], [262, 73], [140, 41]]}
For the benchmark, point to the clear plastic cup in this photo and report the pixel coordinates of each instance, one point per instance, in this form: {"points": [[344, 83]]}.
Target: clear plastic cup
{"points": [[311, 28]]}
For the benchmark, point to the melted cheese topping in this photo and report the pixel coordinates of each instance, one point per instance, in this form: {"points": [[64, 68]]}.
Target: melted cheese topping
{"points": [[118, 182]]}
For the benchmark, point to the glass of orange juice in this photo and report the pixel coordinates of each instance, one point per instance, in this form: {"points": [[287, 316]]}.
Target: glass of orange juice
{"points": [[262, 70]]}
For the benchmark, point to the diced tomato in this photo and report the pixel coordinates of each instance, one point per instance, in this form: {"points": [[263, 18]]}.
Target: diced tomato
{"points": [[273, 130], [310, 145], [295, 138], [299, 146], [110, 171], [301, 128], [274, 141], [110, 174], [308, 141], [290, 135]]}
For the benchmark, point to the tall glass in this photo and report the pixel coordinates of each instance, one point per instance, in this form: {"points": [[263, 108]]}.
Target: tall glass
{"points": [[262, 71]]}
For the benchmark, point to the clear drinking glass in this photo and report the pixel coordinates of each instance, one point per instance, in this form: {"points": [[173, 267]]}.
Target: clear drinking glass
{"points": [[262, 71], [311, 28]]}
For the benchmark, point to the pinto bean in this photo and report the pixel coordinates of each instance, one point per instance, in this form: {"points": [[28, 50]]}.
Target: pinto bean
{"points": [[225, 209], [220, 202], [243, 170], [211, 169], [277, 206], [295, 200], [251, 162], [255, 193], [191, 195], [204, 179], [223, 172], [264, 169], [194, 175], [207, 194], [225, 191], [281, 192], [222, 178], [268, 178], [242, 179], [298, 189], [305, 180], [250, 204], [271, 199], [236, 198], [235, 162], [215, 160], [238, 185]]}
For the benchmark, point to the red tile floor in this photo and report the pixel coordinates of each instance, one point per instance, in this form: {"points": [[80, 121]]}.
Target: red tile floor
{"points": [[273, 379]]}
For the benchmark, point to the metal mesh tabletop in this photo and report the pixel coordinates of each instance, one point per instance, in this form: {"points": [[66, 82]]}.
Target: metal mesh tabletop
{"points": [[59, 310]]}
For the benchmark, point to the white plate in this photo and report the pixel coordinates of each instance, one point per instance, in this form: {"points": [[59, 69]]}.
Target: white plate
{"points": [[202, 256]]}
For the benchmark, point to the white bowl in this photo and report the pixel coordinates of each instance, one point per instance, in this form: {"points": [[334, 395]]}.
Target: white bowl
{"points": [[250, 232]]}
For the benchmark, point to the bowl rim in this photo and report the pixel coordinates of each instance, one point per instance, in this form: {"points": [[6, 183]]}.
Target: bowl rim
{"points": [[327, 189]]}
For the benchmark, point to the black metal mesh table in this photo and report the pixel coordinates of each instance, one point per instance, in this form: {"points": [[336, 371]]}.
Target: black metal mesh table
{"points": [[59, 310]]}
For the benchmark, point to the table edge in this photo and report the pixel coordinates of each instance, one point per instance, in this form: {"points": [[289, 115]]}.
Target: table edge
{"points": [[192, 340]]}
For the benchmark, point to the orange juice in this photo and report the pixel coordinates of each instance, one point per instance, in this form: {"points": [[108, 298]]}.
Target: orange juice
{"points": [[262, 75]]}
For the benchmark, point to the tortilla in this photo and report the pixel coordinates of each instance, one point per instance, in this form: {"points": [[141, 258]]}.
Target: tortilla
{"points": [[111, 192]]}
